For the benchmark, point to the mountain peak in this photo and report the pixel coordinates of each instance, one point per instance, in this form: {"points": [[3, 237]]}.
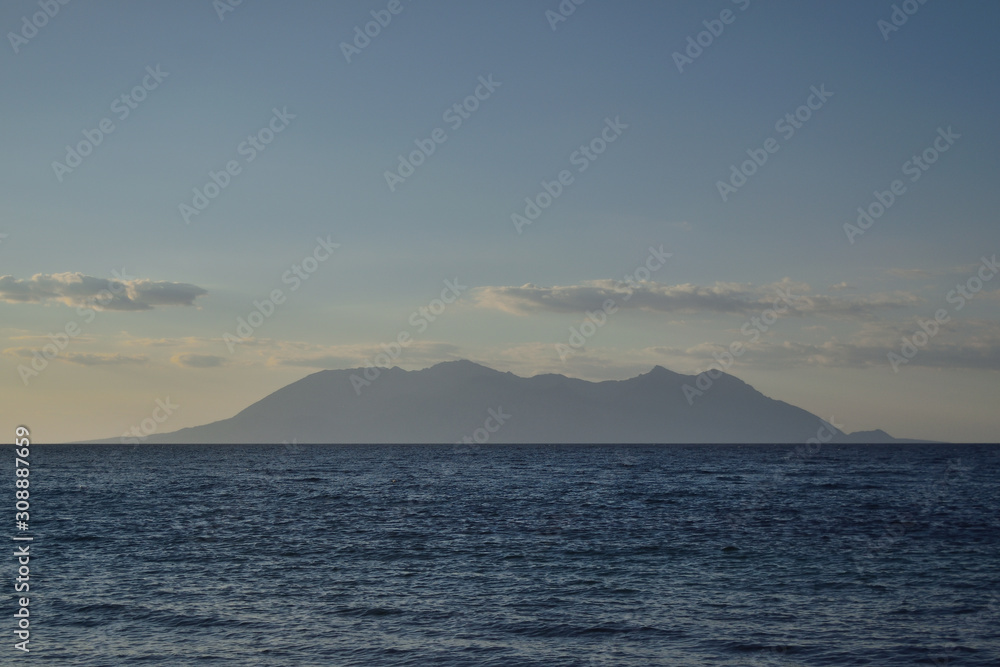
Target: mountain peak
{"points": [[463, 366], [459, 363], [660, 374]]}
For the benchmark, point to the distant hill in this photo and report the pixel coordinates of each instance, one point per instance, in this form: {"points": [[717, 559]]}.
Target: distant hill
{"points": [[461, 399]]}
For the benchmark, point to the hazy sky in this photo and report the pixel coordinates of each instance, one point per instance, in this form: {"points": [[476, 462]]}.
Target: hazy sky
{"points": [[115, 113]]}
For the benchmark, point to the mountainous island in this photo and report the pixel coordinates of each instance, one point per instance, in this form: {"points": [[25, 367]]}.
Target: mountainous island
{"points": [[461, 401]]}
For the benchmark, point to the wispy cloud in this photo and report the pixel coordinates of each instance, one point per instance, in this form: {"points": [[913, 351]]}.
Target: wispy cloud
{"points": [[104, 359], [199, 360], [189, 341], [961, 344], [77, 289], [916, 274], [82, 358], [727, 298]]}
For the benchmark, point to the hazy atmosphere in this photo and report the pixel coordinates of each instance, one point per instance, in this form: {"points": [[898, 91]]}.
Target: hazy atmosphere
{"points": [[534, 333], [204, 202]]}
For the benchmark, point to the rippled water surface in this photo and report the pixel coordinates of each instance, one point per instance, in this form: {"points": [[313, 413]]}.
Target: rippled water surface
{"points": [[421, 555]]}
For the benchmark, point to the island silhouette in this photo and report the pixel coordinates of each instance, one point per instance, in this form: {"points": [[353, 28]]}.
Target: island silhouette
{"points": [[462, 402]]}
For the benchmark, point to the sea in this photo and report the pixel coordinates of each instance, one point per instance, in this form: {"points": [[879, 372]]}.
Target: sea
{"points": [[512, 555]]}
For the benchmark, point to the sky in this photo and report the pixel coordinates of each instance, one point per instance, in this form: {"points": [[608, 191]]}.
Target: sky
{"points": [[206, 201]]}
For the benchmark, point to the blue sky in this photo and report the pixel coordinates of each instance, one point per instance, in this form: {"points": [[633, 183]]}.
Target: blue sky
{"points": [[555, 90]]}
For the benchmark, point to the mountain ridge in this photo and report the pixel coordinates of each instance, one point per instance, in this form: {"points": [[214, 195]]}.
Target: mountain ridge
{"points": [[455, 400]]}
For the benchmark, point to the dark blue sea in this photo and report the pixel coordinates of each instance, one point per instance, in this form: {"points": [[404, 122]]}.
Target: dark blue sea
{"points": [[513, 555]]}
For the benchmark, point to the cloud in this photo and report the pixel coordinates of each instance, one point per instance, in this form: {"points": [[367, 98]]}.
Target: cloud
{"points": [[104, 359], [959, 344], [833, 354], [42, 339], [199, 360], [187, 341], [590, 295], [83, 359], [23, 352], [725, 298], [861, 307], [914, 274], [77, 289]]}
